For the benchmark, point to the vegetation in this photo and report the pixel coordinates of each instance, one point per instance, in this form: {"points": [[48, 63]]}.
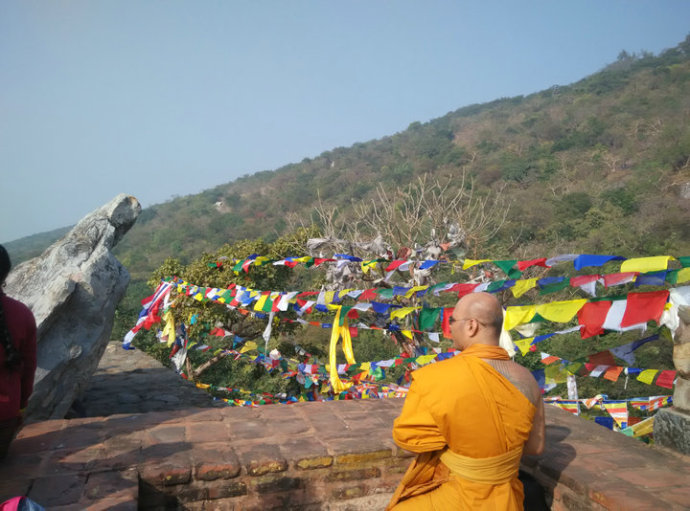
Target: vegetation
{"points": [[598, 166]]}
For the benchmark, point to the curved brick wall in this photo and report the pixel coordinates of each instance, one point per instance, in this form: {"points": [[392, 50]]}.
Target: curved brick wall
{"points": [[333, 455]]}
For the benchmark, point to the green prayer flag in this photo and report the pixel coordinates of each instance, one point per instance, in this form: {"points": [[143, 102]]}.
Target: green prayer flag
{"points": [[495, 286], [508, 268], [385, 293], [428, 317], [684, 261], [343, 314], [672, 276], [552, 288]]}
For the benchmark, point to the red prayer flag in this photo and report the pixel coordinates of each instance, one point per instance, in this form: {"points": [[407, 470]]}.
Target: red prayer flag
{"points": [[395, 264], [523, 265], [614, 279], [581, 280], [643, 307], [592, 315], [665, 379], [463, 289], [447, 311], [602, 358], [367, 294]]}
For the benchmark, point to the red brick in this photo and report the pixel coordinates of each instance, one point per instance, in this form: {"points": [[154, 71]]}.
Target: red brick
{"points": [[176, 469], [262, 459], [215, 463]]}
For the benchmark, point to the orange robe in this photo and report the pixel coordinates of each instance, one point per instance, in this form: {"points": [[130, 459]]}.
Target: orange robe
{"points": [[463, 405]]}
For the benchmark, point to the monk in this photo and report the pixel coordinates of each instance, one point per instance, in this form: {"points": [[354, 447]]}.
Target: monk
{"points": [[470, 419]]}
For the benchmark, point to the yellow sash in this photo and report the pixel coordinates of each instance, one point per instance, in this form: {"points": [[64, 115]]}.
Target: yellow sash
{"points": [[494, 470]]}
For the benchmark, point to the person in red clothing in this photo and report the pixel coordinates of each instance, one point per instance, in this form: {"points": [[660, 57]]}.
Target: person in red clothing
{"points": [[17, 359]]}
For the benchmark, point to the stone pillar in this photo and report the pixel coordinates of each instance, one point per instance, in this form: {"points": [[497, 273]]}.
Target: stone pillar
{"points": [[672, 425]]}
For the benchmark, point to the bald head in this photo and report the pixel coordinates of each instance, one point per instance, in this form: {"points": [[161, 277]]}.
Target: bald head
{"points": [[485, 309]]}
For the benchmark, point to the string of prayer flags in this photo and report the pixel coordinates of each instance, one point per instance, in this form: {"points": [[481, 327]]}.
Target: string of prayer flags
{"points": [[149, 312]]}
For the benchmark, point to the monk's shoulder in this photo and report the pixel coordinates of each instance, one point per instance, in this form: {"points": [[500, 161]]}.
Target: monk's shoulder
{"points": [[439, 370]]}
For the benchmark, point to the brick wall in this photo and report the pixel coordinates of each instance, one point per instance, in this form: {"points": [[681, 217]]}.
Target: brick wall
{"points": [[333, 455]]}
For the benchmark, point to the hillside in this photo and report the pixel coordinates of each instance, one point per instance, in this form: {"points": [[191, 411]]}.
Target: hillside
{"points": [[601, 166]]}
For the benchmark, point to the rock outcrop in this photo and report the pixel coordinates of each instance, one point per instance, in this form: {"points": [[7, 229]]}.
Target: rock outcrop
{"points": [[73, 289]]}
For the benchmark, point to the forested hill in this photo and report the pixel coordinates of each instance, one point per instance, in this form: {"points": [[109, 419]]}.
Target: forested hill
{"points": [[598, 166]]}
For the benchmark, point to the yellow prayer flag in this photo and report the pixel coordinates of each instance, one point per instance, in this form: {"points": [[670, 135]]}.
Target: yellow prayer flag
{"points": [[560, 312], [517, 315], [472, 262], [403, 311], [524, 345], [248, 346], [425, 359], [261, 302], [522, 286], [647, 376], [169, 328], [683, 275], [555, 373], [328, 296], [368, 265], [646, 264], [642, 428], [407, 333], [415, 289]]}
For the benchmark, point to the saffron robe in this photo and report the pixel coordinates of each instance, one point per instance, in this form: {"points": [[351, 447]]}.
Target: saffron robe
{"points": [[465, 406]]}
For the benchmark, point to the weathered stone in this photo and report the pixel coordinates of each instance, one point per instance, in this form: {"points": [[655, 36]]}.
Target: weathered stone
{"points": [[73, 289], [672, 429], [681, 395]]}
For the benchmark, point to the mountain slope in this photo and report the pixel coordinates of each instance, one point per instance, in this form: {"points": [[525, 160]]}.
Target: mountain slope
{"points": [[602, 165]]}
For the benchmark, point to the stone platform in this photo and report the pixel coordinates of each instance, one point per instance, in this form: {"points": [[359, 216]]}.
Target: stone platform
{"points": [[314, 456], [129, 381], [330, 456]]}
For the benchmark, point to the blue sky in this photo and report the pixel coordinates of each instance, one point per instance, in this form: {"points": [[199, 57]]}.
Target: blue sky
{"points": [[163, 98]]}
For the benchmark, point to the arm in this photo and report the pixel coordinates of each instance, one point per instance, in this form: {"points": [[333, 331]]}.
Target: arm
{"points": [[535, 442], [415, 429]]}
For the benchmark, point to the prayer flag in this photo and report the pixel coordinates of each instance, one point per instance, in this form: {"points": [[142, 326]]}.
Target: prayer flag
{"points": [[646, 264], [517, 315], [592, 316], [586, 282], [618, 279], [522, 286], [584, 260], [647, 376], [643, 307], [619, 411], [468, 263], [523, 265], [666, 378], [560, 312]]}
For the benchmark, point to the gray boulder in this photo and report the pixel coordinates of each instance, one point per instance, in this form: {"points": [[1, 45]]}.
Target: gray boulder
{"points": [[73, 289]]}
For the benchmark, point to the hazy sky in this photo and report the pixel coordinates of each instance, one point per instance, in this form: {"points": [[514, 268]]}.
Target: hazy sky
{"points": [[162, 98]]}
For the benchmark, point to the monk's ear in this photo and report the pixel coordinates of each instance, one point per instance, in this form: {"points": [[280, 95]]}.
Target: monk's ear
{"points": [[473, 327]]}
